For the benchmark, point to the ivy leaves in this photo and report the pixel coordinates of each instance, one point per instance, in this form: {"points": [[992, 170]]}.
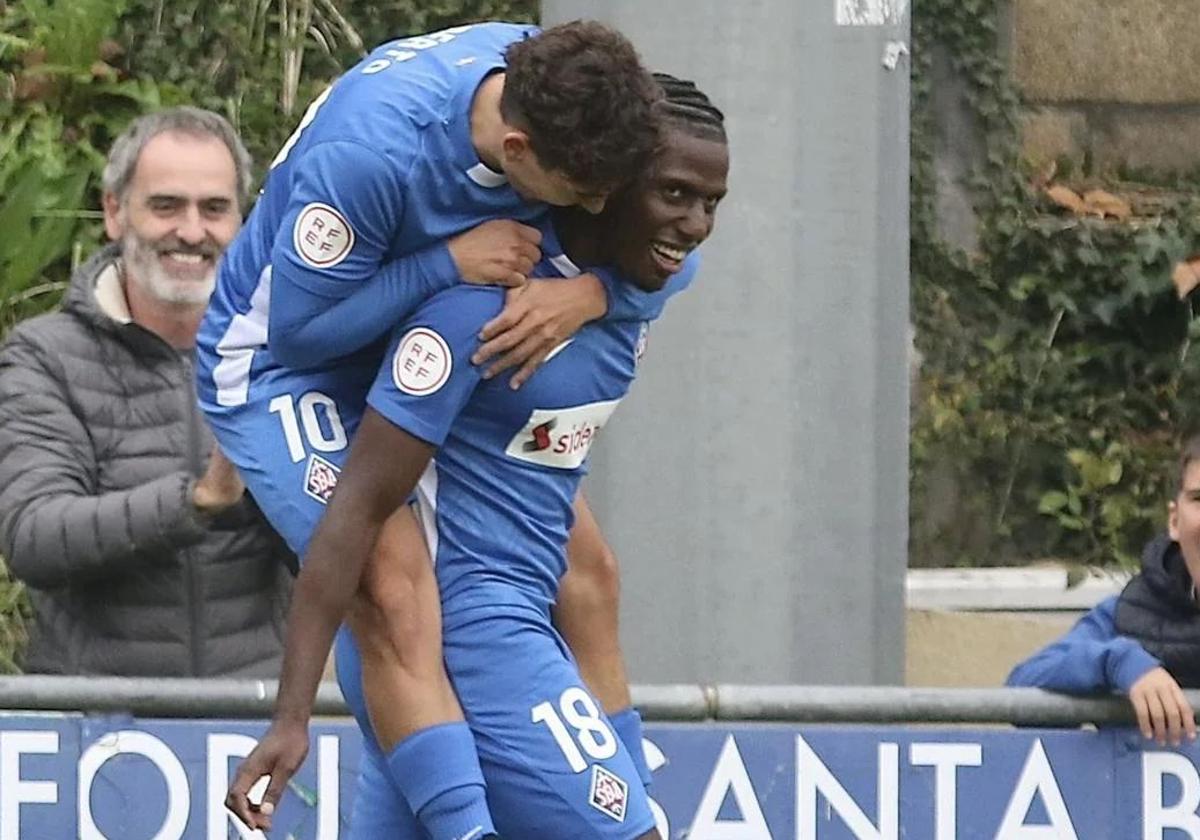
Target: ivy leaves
{"points": [[1058, 373]]}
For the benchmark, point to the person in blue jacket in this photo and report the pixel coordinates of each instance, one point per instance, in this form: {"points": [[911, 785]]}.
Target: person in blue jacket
{"points": [[1145, 642]]}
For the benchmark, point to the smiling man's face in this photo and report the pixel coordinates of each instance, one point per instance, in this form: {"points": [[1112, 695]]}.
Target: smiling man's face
{"points": [[671, 209], [178, 215]]}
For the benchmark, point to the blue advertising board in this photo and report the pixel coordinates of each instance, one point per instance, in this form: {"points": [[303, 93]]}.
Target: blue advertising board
{"points": [[120, 778]]}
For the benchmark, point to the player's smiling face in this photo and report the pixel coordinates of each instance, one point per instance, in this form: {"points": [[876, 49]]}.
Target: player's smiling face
{"points": [[671, 209]]}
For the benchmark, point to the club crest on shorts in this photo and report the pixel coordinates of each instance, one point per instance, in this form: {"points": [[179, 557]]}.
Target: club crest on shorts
{"points": [[320, 477], [610, 794], [322, 236]]}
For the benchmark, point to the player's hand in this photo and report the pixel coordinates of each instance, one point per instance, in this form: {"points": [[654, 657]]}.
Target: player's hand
{"points": [[278, 755], [500, 252], [1163, 713], [537, 318], [220, 487]]}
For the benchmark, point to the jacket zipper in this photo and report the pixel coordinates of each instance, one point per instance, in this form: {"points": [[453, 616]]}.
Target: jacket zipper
{"points": [[196, 460]]}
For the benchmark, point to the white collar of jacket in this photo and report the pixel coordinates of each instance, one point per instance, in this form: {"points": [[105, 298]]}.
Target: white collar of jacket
{"points": [[110, 293]]}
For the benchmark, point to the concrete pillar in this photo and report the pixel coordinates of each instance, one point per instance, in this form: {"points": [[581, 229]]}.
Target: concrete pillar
{"points": [[755, 482]]}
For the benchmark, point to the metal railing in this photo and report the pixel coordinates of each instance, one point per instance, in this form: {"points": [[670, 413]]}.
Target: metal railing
{"points": [[242, 698]]}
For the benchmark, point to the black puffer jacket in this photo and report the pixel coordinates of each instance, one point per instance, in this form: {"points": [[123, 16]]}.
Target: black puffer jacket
{"points": [[100, 444], [1157, 609]]}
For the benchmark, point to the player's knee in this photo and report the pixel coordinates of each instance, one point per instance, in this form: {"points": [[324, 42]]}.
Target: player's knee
{"points": [[402, 641], [390, 592], [398, 616], [399, 577]]}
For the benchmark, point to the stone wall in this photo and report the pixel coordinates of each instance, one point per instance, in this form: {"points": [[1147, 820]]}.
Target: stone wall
{"points": [[1116, 80]]}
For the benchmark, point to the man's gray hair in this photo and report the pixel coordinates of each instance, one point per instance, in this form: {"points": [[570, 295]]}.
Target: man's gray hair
{"points": [[197, 122]]}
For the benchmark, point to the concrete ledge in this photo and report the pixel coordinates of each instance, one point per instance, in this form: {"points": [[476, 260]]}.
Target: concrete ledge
{"points": [[1009, 590], [1049, 133]]}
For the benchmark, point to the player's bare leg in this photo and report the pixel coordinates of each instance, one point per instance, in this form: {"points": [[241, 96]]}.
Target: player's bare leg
{"points": [[397, 625], [587, 611], [397, 622], [587, 616]]}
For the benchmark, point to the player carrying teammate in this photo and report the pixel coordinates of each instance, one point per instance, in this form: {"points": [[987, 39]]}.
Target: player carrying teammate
{"points": [[496, 509], [403, 179]]}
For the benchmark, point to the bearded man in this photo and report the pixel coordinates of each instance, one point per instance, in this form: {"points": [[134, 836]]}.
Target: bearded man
{"points": [[143, 555]]}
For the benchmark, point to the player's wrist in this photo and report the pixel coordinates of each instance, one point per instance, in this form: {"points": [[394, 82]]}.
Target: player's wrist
{"points": [[290, 716], [594, 296]]}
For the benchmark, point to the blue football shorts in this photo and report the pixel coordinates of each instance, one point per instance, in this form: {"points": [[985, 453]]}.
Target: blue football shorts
{"points": [[289, 440], [554, 767]]}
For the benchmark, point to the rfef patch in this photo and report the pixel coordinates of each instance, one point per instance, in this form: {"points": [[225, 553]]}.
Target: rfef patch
{"points": [[322, 236], [422, 363]]}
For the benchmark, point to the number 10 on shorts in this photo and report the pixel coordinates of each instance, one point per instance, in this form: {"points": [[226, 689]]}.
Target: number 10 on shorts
{"points": [[329, 436], [577, 709]]}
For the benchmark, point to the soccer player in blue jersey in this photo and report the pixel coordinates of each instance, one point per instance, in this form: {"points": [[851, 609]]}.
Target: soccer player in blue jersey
{"points": [[496, 506], [412, 172]]}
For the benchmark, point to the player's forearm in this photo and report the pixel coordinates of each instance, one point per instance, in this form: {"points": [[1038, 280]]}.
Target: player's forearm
{"points": [[313, 620], [324, 592], [381, 470], [308, 329]]}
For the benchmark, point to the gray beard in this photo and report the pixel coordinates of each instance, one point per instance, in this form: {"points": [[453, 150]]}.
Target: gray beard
{"points": [[142, 267]]}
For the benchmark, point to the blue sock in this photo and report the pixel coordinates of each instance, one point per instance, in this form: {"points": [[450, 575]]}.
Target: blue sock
{"points": [[628, 724], [437, 770]]}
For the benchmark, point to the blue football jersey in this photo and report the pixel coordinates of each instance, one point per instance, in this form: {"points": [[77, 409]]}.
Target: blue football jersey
{"points": [[496, 503], [350, 232], [381, 167]]}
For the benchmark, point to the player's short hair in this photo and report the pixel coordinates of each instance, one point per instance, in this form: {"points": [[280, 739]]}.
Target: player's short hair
{"points": [[1190, 451], [196, 122], [581, 93], [685, 106]]}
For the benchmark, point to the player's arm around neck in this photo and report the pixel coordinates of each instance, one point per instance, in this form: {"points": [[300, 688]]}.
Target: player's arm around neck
{"points": [[381, 470]]}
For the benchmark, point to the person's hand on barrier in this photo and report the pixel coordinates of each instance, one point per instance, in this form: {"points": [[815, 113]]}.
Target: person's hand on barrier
{"points": [[538, 317], [498, 252], [1163, 713], [278, 755]]}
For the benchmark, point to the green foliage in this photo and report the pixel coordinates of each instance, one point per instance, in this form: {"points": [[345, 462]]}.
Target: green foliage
{"points": [[14, 613], [61, 106], [1056, 361], [73, 73], [229, 56]]}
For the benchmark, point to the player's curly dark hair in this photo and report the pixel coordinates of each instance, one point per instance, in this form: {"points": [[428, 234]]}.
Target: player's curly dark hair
{"points": [[581, 93]]}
